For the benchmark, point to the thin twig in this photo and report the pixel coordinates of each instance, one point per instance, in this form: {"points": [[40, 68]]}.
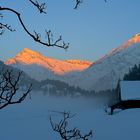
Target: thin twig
{"points": [[41, 7]]}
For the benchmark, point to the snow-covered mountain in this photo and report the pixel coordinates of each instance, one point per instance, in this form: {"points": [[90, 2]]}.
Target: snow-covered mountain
{"points": [[105, 72], [42, 68], [101, 75]]}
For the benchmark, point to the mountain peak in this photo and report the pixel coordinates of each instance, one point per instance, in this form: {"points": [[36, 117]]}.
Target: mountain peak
{"points": [[136, 35], [27, 52], [28, 57], [26, 49], [130, 42], [133, 40]]}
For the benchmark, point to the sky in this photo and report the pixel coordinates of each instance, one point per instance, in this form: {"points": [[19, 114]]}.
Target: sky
{"points": [[92, 30]]}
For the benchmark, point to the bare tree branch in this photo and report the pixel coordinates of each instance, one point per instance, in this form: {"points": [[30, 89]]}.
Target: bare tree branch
{"points": [[65, 133], [3, 27], [9, 88], [78, 2], [41, 7], [58, 43]]}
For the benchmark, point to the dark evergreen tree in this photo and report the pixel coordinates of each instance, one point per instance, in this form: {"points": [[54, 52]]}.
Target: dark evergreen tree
{"points": [[134, 73]]}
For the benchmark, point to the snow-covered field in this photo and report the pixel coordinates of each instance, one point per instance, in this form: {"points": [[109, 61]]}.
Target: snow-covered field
{"points": [[30, 119]]}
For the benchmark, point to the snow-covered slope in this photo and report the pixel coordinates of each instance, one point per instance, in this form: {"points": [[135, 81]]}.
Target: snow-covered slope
{"points": [[41, 68], [105, 72]]}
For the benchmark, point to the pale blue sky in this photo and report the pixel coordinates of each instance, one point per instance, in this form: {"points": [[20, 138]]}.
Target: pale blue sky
{"points": [[92, 30]]}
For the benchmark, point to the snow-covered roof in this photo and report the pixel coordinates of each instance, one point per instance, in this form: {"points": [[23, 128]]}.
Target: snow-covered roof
{"points": [[130, 90]]}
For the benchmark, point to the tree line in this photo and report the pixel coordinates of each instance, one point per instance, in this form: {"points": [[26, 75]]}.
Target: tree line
{"points": [[133, 74]]}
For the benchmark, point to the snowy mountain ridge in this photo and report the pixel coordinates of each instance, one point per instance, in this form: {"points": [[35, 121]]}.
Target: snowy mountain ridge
{"points": [[40, 67], [134, 40], [105, 73]]}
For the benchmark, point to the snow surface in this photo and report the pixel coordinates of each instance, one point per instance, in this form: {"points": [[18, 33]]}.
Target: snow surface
{"points": [[130, 90], [30, 119]]}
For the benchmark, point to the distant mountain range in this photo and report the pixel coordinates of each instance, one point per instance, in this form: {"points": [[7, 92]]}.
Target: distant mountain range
{"points": [[101, 75], [42, 68]]}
